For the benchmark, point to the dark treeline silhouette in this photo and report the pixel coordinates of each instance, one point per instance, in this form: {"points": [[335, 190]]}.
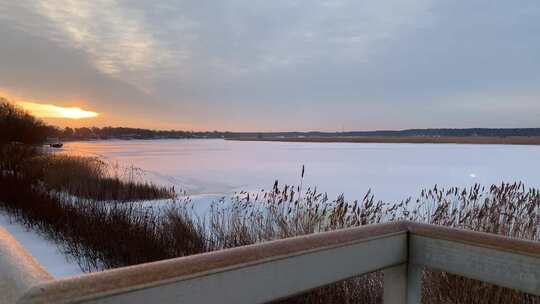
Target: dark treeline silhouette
{"points": [[137, 133], [499, 132], [128, 133]]}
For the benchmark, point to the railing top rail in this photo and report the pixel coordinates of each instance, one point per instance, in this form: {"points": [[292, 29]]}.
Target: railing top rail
{"points": [[478, 239], [149, 274], [162, 272]]}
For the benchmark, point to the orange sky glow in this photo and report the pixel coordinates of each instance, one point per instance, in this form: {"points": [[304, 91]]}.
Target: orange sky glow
{"points": [[67, 114], [77, 113], [52, 111]]}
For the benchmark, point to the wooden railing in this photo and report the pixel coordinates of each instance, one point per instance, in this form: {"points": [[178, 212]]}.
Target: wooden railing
{"points": [[279, 269]]}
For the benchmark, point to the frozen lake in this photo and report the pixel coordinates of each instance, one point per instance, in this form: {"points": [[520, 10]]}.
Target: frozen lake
{"points": [[208, 169], [392, 171]]}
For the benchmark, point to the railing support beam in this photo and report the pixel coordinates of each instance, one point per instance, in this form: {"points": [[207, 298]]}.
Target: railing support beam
{"points": [[414, 283], [395, 285], [403, 284]]}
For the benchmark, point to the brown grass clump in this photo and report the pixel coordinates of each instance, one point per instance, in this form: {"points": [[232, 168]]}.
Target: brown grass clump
{"points": [[101, 235], [13, 156], [91, 178]]}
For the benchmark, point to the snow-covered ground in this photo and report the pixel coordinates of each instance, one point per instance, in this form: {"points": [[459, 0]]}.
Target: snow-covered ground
{"points": [[392, 171], [43, 250]]}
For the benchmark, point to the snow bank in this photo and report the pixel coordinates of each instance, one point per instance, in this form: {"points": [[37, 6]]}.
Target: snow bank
{"points": [[43, 250]]}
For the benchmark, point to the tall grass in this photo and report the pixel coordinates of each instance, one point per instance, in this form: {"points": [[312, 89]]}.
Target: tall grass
{"points": [[92, 178], [507, 209], [14, 156], [101, 235]]}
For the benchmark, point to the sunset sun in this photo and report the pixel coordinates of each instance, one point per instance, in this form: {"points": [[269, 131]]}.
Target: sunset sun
{"points": [[52, 111]]}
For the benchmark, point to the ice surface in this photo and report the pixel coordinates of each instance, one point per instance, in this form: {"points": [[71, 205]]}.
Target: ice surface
{"points": [[392, 171]]}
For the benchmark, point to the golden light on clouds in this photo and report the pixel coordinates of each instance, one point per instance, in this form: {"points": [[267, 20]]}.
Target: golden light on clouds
{"points": [[52, 111]]}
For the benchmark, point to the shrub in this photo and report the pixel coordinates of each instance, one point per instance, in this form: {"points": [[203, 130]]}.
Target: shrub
{"points": [[16, 125]]}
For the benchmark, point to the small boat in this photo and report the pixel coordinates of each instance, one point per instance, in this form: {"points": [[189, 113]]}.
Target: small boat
{"points": [[56, 145], [54, 142]]}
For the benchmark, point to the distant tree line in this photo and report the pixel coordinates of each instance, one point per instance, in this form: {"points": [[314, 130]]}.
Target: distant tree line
{"points": [[128, 133], [17, 125], [489, 132], [136, 133]]}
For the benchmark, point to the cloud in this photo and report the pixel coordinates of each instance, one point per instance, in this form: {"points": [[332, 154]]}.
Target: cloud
{"points": [[244, 37], [235, 38], [114, 36]]}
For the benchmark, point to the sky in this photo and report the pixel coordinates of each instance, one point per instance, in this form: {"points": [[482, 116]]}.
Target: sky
{"points": [[280, 65]]}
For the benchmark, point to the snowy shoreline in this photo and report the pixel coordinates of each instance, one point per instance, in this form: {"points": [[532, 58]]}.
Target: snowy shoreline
{"points": [[45, 251]]}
